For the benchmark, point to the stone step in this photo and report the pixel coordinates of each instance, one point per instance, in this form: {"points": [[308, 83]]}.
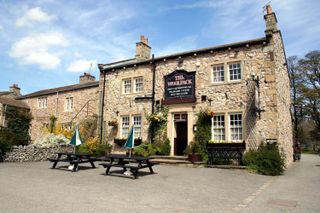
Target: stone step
{"points": [[169, 157], [169, 161]]}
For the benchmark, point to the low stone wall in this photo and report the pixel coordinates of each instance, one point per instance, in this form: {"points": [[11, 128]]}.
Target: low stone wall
{"points": [[33, 153]]}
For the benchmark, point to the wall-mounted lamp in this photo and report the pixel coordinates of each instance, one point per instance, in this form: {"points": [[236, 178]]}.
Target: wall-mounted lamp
{"points": [[117, 112], [194, 127]]}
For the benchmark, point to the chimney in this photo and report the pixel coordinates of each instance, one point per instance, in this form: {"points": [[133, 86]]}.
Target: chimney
{"points": [[87, 77], [271, 21], [15, 89], [143, 51]]}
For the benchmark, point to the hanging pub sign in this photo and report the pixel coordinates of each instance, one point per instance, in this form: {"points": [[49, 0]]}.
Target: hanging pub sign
{"points": [[179, 87]]}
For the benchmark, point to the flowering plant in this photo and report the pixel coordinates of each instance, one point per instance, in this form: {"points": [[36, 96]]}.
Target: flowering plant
{"points": [[113, 123], [157, 117]]}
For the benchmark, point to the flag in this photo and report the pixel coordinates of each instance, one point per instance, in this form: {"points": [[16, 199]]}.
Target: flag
{"points": [[130, 140], [76, 139]]}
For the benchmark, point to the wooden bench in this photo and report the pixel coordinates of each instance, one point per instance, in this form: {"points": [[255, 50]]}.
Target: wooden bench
{"points": [[72, 158], [133, 168], [134, 163], [225, 151]]}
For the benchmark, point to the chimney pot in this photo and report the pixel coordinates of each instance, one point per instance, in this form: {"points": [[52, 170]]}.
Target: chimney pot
{"points": [[143, 51], [15, 89], [87, 77], [269, 9]]}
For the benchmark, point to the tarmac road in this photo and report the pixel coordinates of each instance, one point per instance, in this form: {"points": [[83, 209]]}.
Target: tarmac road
{"points": [[33, 187]]}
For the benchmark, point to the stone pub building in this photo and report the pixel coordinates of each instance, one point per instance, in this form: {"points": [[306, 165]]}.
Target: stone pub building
{"points": [[245, 84]]}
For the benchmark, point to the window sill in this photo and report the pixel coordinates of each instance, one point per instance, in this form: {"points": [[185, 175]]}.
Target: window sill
{"points": [[226, 83]]}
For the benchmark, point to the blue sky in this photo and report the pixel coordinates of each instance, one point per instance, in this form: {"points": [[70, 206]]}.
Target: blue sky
{"points": [[50, 43]]}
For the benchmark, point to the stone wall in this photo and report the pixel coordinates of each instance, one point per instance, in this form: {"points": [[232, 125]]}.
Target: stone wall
{"points": [[33, 153], [56, 105]]}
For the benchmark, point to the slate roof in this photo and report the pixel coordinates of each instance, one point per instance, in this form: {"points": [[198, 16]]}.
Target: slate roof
{"points": [[132, 62], [13, 102], [60, 89]]}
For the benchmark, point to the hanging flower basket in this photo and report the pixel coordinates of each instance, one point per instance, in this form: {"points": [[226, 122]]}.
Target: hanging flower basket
{"points": [[113, 123], [157, 117]]}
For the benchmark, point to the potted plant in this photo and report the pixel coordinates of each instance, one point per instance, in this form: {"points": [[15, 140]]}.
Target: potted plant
{"points": [[193, 152]]}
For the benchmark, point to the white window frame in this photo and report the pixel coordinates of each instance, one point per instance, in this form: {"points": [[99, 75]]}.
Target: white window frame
{"points": [[140, 83], [125, 125], [137, 124], [43, 102], [236, 71], [217, 126], [124, 86], [218, 74], [69, 104], [238, 125]]}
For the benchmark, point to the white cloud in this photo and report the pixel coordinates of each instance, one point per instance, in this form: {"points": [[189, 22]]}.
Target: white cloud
{"points": [[81, 65], [35, 49], [34, 15]]}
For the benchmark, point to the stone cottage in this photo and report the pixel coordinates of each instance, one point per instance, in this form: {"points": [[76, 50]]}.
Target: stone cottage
{"points": [[69, 104], [245, 84], [8, 98]]}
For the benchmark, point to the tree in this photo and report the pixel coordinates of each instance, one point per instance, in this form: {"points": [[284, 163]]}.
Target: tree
{"points": [[309, 67], [295, 82]]}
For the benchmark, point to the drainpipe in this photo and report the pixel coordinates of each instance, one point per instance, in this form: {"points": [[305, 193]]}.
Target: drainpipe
{"points": [[102, 106], [153, 67], [57, 101], [153, 81]]}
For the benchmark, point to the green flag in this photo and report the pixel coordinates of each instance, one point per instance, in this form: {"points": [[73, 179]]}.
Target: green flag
{"points": [[76, 139]]}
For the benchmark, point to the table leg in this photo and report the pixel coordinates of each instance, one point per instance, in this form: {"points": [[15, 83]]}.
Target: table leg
{"points": [[107, 170], [75, 167], [150, 166], [54, 164], [91, 162]]}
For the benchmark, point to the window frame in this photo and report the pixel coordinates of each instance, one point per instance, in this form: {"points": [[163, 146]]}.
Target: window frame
{"points": [[138, 126], [240, 133], [68, 108], [215, 71], [124, 86], [135, 84], [43, 102], [213, 127], [237, 68], [228, 132], [127, 126]]}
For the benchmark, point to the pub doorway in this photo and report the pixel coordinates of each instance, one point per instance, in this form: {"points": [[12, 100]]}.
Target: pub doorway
{"points": [[181, 133]]}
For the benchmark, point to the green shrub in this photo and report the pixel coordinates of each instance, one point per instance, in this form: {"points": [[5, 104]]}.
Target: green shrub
{"points": [[163, 148], [102, 150], [95, 148], [145, 150], [266, 160], [203, 133], [193, 148]]}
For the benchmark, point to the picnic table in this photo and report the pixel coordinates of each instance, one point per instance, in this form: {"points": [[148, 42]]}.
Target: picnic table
{"points": [[131, 163], [73, 159]]}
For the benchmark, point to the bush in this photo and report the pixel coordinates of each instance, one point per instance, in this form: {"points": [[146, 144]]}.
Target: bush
{"points": [[163, 148], [266, 160], [50, 140], [193, 148], [145, 150], [203, 133], [93, 146]]}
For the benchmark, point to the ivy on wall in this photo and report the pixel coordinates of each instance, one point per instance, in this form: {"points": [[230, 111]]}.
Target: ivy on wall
{"points": [[17, 130], [203, 133]]}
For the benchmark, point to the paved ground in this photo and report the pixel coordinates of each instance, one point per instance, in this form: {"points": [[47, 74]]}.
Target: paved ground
{"points": [[33, 187]]}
